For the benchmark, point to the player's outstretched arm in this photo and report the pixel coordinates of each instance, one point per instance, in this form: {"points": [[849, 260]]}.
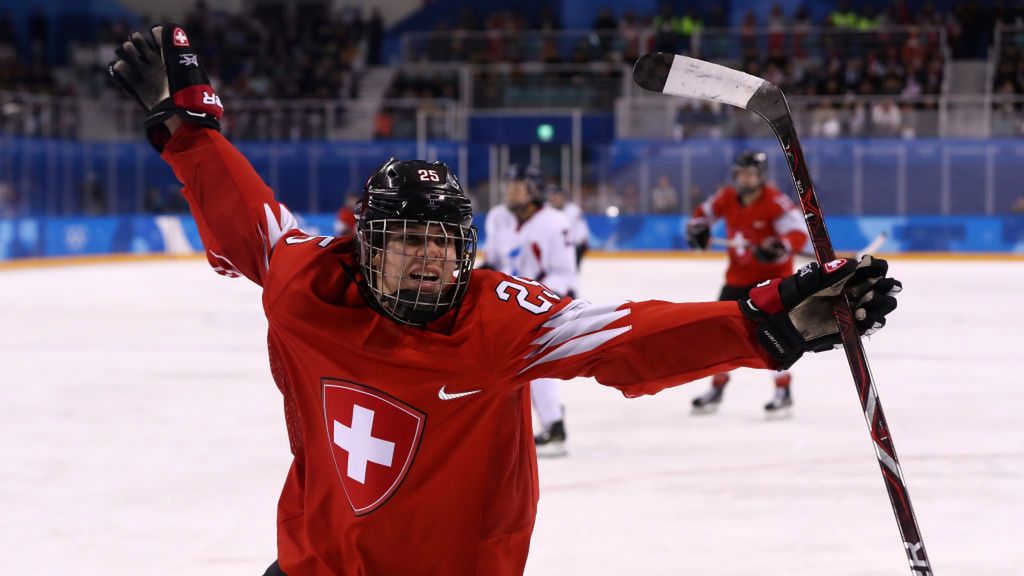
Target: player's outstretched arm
{"points": [[644, 347], [637, 347], [238, 218]]}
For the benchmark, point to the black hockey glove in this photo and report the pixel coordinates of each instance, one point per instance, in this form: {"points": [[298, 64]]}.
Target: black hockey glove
{"points": [[794, 314], [698, 233], [160, 69], [772, 250]]}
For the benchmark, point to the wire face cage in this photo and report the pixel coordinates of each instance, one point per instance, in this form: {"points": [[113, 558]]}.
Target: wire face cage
{"points": [[416, 271]]}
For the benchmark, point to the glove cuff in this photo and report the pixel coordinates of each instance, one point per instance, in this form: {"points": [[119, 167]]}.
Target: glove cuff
{"points": [[766, 297], [775, 331], [158, 134]]}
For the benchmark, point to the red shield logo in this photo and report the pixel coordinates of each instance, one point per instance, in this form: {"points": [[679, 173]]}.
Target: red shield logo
{"points": [[178, 37], [373, 437], [834, 265]]}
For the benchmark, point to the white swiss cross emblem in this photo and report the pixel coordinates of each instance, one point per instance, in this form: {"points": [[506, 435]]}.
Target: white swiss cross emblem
{"points": [[179, 37], [373, 438]]}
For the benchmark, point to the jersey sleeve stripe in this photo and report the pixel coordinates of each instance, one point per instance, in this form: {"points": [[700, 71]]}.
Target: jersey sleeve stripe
{"points": [[578, 318], [580, 345], [791, 220], [277, 228], [709, 207], [230, 270]]}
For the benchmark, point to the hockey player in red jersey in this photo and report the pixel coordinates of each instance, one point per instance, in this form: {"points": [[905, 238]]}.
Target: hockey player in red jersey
{"points": [[403, 372], [764, 229]]}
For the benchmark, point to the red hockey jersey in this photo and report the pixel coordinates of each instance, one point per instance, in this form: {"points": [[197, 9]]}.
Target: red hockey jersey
{"points": [[413, 449], [772, 214]]}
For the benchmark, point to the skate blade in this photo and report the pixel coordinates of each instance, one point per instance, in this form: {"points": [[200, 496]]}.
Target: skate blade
{"points": [[552, 450], [704, 410], [779, 414]]}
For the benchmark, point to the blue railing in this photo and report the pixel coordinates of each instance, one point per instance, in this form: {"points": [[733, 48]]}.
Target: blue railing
{"points": [[854, 176]]}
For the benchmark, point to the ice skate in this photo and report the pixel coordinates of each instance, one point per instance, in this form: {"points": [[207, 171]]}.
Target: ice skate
{"points": [[551, 441], [707, 403], [781, 404]]}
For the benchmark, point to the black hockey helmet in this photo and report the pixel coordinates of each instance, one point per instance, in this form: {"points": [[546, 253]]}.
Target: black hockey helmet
{"points": [[533, 177], [555, 194], [417, 242], [750, 159]]}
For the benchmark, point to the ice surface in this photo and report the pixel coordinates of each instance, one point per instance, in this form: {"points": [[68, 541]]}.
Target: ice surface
{"points": [[141, 434]]}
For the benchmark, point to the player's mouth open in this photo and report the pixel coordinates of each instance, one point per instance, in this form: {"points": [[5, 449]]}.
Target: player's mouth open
{"points": [[426, 279]]}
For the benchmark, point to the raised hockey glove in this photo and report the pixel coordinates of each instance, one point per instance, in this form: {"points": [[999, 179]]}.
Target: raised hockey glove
{"points": [[794, 314], [698, 233], [160, 69], [772, 250]]}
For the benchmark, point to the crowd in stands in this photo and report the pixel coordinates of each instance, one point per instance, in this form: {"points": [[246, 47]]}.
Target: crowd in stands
{"points": [[267, 51], [1008, 86], [20, 69], [413, 91], [286, 51], [272, 51]]}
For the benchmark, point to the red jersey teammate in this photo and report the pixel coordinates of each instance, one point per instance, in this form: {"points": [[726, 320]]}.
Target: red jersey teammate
{"points": [[764, 228], [404, 372]]}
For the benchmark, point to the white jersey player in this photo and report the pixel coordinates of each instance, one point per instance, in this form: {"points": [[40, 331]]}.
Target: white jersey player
{"points": [[579, 232], [499, 227], [535, 243]]}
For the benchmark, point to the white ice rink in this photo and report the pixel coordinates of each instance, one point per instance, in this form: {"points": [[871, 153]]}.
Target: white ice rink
{"points": [[141, 434]]}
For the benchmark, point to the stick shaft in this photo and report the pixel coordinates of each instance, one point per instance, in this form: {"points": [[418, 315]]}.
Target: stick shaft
{"points": [[878, 426]]}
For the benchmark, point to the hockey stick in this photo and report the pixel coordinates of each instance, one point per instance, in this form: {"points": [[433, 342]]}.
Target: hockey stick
{"points": [[872, 246], [690, 78]]}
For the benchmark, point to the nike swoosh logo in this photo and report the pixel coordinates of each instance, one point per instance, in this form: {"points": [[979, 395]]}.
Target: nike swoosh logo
{"points": [[445, 396]]}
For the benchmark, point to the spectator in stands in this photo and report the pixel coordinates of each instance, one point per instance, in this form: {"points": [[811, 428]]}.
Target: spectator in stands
{"points": [[630, 202], [886, 119], [666, 39], [605, 26], [800, 28], [10, 204], [776, 29], [374, 37], [1006, 116], [826, 121], [631, 33], [664, 197], [549, 20], [748, 34]]}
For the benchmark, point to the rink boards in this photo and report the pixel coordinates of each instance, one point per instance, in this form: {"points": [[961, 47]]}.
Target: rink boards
{"points": [[177, 234]]}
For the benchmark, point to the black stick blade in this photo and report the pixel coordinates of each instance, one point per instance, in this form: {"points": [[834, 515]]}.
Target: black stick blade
{"points": [[692, 78], [651, 71]]}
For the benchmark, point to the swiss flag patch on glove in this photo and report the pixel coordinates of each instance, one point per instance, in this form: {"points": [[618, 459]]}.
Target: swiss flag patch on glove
{"points": [[161, 70]]}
